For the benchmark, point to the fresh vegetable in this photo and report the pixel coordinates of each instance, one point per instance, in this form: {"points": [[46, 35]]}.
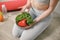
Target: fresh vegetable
{"points": [[1, 17], [24, 15], [22, 23]]}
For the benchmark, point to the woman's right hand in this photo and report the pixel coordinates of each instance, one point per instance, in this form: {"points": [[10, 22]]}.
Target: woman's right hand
{"points": [[27, 6]]}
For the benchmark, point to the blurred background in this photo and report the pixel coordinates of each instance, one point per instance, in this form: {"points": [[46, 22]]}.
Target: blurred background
{"points": [[51, 33]]}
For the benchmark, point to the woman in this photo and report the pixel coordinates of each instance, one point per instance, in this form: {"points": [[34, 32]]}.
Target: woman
{"points": [[41, 11]]}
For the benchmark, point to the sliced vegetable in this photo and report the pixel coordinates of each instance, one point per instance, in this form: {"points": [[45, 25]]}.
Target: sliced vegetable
{"points": [[24, 15], [22, 23]]}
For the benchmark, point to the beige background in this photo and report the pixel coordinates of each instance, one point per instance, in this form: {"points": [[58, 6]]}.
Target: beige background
{"points": [[51, 33]]}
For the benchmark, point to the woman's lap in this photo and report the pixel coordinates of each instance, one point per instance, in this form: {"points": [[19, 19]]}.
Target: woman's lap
{"points": [[33, 32], [16, 31]]}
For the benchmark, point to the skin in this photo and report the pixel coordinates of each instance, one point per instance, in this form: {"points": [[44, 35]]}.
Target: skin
{"points": [[46, 13]]}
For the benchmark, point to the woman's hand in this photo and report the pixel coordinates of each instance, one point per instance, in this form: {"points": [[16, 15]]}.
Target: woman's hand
{"points": [[47, 12], [30, 26], [27, 6]]}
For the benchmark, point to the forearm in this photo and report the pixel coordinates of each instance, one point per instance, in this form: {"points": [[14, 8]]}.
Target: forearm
{"points": [[43, 15], [27, 6], [28, 3], [46, 13]]}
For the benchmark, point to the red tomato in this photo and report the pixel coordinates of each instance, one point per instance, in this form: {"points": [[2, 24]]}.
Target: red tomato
{"points": [[22, 23]]}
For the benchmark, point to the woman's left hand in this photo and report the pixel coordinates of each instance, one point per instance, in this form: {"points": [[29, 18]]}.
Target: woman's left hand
{"points": [[30, 26]]}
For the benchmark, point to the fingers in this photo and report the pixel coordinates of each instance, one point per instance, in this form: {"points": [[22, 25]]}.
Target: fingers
{"points": [[23, 9], [27, 10], [27, 27]]}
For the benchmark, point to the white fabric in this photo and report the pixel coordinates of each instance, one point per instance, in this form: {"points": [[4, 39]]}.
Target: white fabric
{"points": [[43, 1], [37, 29]]}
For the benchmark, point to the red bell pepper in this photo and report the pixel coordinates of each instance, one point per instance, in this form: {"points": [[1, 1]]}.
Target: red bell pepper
{"points": [[22, 23]]}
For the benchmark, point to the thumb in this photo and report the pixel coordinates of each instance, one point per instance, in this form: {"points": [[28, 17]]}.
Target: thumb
{"points": [[23, 9], [27, 10]]}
